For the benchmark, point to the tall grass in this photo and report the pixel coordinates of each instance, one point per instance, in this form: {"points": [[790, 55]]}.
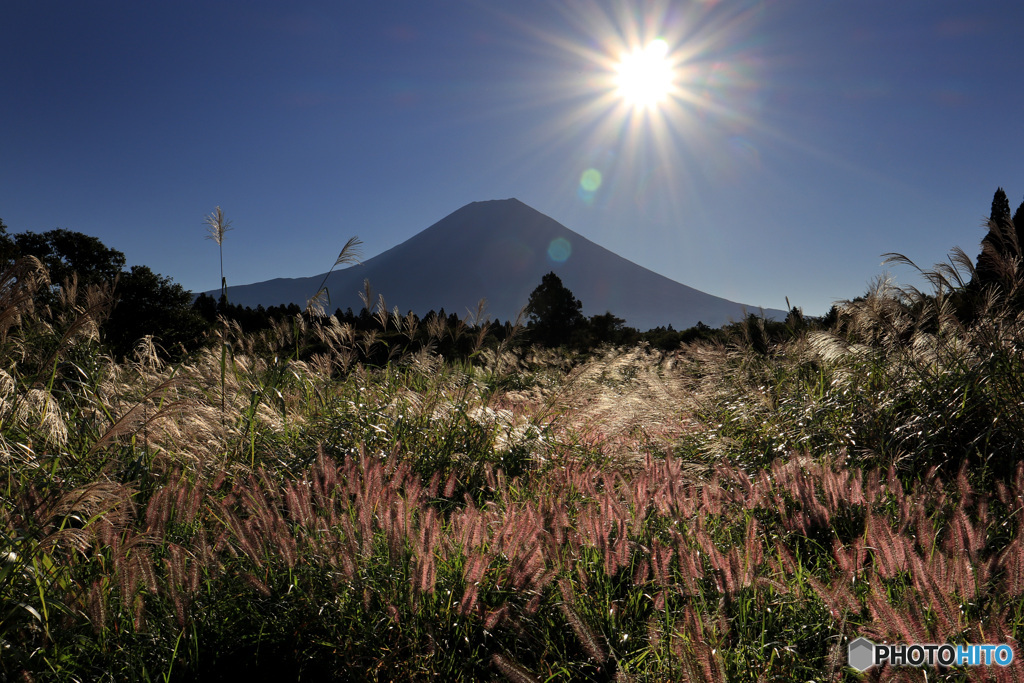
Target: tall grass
{"points": [[308, 505], [905, 377]]}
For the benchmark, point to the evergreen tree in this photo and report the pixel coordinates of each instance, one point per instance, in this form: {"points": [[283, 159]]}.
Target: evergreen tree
{"points": [[8, 249], [999, 243], [206, 306], [1018, 225], [1000, 206], [607, 328], [554, 313]]}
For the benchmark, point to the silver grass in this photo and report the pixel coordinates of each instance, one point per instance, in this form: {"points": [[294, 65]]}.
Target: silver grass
{"points": [[349, 254], [217, 225]]}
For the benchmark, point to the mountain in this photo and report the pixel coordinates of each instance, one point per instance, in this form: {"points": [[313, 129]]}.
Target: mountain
{"points": [[499, 251]]}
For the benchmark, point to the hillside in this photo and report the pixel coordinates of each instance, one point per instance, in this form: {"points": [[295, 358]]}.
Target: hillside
{"points": [[499, 250]]}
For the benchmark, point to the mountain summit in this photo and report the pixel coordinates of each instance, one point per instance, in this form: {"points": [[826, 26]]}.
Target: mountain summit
{"points": [[499, 251]]}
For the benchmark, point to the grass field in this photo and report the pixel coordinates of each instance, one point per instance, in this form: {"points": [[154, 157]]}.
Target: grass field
{"points": [[276, 507]]}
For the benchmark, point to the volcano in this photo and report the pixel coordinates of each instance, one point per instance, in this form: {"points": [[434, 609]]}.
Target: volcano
{"points": [[498, 251]]}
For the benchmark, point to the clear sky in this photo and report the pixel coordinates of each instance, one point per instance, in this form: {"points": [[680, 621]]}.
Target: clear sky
{"points": [[801, 139]]}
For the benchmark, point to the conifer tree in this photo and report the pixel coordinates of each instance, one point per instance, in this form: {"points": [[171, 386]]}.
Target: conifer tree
{"points": [[554, 312], [1000, 206], [1018, 225], [1000, 242]]}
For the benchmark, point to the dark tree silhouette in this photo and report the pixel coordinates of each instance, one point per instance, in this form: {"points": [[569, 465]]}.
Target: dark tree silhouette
{"points": [[146, 302], [606, 328], [999, 244], [150, 303], [206, 306], [1018, 224], [64, 252], [1000, 206], [8, 249], [554, 313]]}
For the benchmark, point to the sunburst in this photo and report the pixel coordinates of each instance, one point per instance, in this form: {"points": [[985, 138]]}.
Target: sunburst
{"points": [[645, 77]]}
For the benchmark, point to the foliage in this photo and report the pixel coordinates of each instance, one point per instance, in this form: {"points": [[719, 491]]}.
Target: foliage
{"points": [[1002, 245], [899, 380], [554, 313], [379, 497], [147, 303], [151, 304], [67, 254]]}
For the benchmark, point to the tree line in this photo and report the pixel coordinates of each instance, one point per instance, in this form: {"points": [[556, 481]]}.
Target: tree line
{"points": [[147, 303]]}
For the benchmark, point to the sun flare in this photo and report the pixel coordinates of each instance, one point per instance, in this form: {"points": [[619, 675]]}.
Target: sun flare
{"points": [[652, 102], [645, 76]]}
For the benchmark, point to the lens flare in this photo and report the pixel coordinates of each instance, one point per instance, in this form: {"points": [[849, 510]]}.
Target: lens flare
{"points": [[559, 250], [590, 181], [671, 86]]}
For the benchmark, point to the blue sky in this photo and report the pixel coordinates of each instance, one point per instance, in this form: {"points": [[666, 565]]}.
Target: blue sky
{"points": [[804, 138]]}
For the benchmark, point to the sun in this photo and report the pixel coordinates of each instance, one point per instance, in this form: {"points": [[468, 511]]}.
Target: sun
{"points": [[645, 76], [640, 108]]}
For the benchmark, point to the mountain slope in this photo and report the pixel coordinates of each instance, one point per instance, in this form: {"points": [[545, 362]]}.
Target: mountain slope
{"points": [[499, 251]]}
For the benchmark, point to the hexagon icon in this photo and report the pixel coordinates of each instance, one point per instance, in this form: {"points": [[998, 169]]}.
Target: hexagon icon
{"points": [[861, 654]]}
